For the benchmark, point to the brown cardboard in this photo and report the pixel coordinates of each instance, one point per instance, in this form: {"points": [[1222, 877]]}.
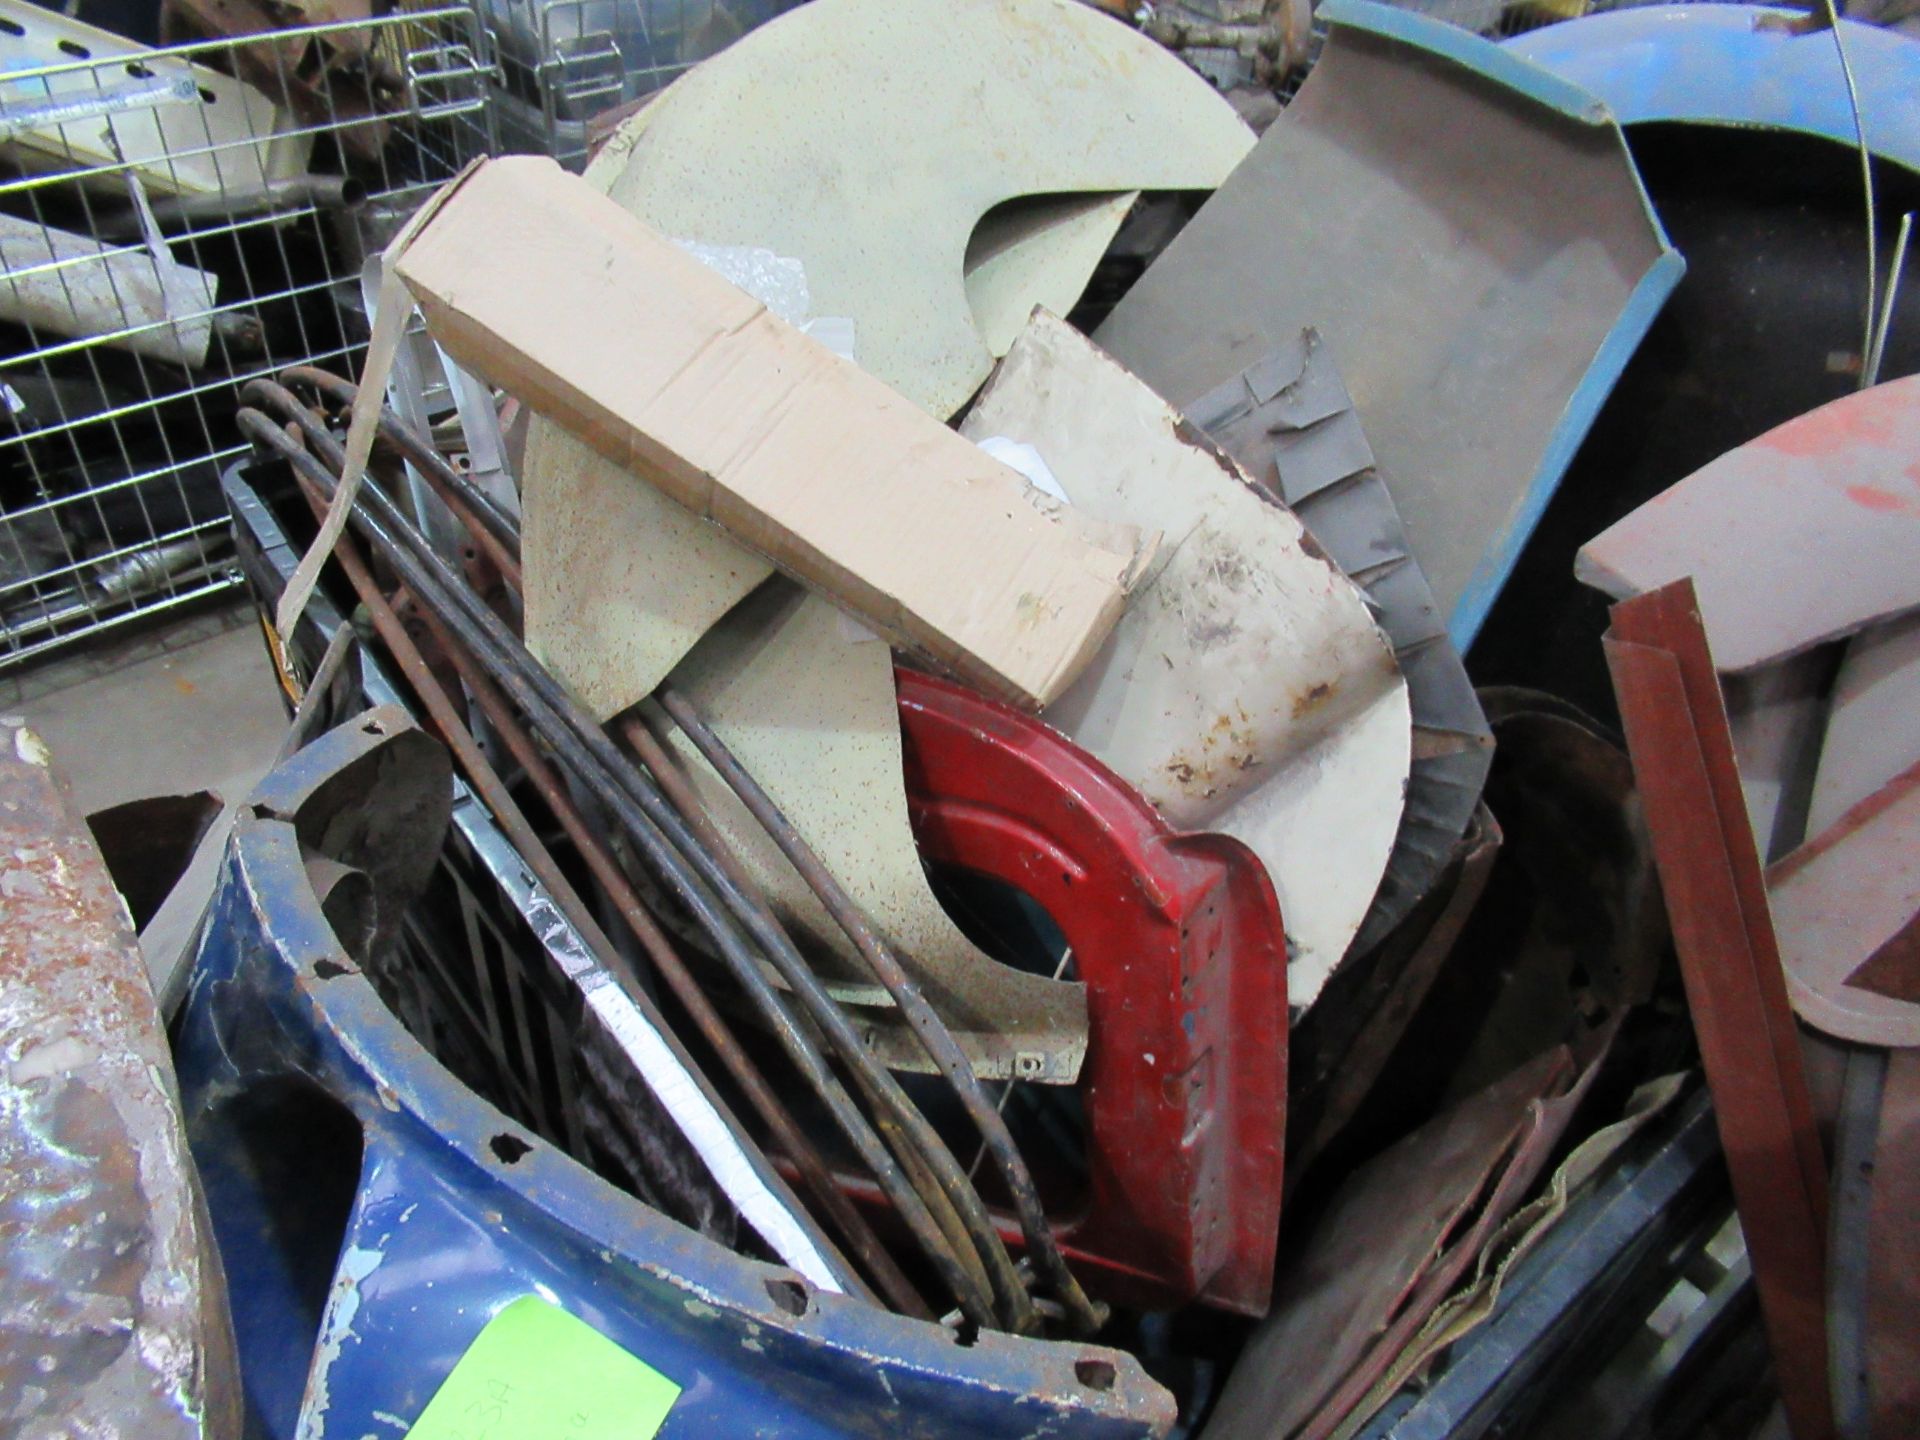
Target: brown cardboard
{"points": [[535, 281]]}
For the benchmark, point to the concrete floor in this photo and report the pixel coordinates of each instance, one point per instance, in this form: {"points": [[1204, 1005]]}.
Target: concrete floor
{"points": [[188, 704]]}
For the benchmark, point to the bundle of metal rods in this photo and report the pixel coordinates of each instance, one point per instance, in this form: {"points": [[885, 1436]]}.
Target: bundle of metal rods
{"points": [[554, 741]]}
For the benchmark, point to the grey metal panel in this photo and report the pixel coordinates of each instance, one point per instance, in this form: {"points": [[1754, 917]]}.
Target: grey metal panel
{"points": [[1469, 234]]}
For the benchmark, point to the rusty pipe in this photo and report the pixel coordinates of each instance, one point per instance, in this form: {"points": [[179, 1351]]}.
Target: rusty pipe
{"points": [[573, 737], [806, 1157], [410, 443], [934, 1036], [504, 557], [486, 782], [667, 774]]}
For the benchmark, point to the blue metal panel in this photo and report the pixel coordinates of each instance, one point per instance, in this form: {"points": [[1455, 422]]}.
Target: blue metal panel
{"points": [[457, 1210], [1713, 65]]}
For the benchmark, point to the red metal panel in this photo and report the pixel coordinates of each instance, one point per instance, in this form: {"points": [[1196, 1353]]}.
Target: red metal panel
{"points": [[1179, 941], [1677, 733]]}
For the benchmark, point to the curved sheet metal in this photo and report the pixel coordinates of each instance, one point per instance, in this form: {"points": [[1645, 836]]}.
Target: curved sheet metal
{"points": [[1247, 690], [1808, 533], [1469, 235], [306, 1096], [1716, 65], [870, 139]]}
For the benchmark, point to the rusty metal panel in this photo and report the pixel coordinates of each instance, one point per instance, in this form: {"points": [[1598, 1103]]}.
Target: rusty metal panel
{"points": [[1381, 1238], [114, 1320]]}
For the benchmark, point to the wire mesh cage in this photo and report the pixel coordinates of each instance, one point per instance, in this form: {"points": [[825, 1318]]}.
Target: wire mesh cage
{"points": [[175, 221], [571, 69]]}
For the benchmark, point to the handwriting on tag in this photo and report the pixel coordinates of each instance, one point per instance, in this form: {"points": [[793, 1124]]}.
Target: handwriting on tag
{"points": [[537, 1373]]}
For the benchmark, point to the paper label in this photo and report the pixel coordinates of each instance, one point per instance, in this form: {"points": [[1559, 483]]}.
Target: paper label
{"points": [[537, 1373]]}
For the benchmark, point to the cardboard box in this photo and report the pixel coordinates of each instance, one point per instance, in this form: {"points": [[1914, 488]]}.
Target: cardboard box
{"points": [[534, 280]]}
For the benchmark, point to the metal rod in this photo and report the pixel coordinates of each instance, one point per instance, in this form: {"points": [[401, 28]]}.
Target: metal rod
{"points": [[573, 739], [806, 1157], [505, 557], [932, 1033], [414, 446], [1866, 184], [664, 833], [1879, 350], [667, 773], [517, 669], [797, 1043], [486, 782]]}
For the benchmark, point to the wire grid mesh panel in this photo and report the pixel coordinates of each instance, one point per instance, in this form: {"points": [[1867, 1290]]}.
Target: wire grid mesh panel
{"points": [[572, 69], [175, 221]]}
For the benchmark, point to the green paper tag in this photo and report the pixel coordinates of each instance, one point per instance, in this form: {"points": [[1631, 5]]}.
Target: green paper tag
{"points": [[537, 1373]]}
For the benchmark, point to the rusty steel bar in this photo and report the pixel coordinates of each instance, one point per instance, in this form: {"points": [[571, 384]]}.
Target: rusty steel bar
{"points": [[344, 393], [453, 730], [934, 1036], [447, 483], [926, 1225], [1675, 720], [658, 828], [682, 797], [589, 752], [680, 794], [687, 803], [666, 774], [806, 1157]]}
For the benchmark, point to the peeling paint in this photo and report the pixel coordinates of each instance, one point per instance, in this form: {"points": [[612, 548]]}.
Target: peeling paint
{"points": [[343, 1306]]}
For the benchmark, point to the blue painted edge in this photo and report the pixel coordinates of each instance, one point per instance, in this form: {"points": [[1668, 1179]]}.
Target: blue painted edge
{"points": [[1583, 407], [1464, 48], [1540, 84]]}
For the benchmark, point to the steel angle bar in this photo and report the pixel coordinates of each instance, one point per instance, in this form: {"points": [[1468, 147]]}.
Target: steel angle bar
{"points": [[1682, 750]]}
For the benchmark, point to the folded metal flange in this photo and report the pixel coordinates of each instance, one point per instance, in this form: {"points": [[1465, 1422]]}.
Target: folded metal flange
{"points": [[1289, 420]]}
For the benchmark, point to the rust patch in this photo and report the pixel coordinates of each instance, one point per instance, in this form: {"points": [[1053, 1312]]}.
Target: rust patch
{"points": [[1872, 497], [1862, 419], [115, 1322], [1314, 697]]}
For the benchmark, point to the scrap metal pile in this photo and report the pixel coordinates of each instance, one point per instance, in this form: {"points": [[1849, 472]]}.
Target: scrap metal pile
{"points": [[1001, 675]]}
